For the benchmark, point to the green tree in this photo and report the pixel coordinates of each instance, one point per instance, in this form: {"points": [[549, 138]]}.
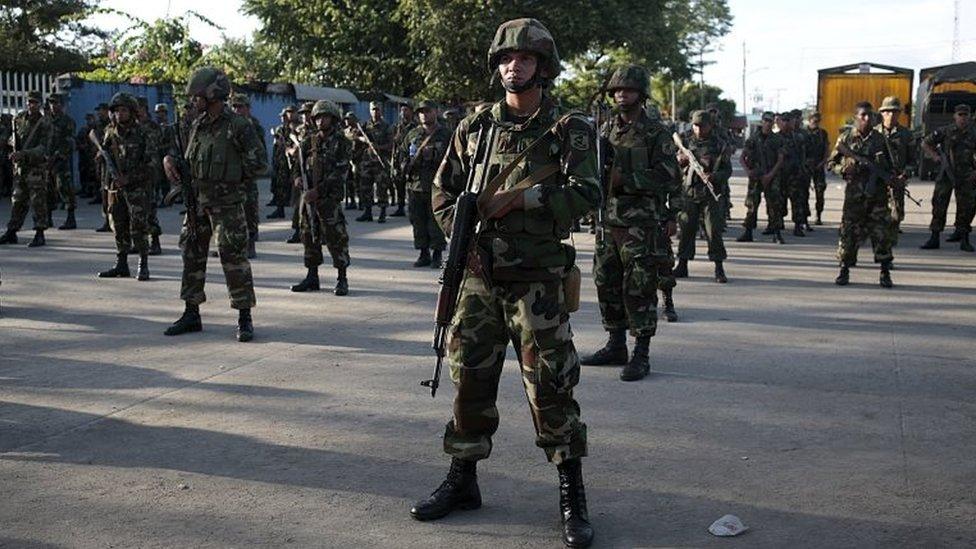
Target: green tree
{"points": [[246, 60], [46, 35]]}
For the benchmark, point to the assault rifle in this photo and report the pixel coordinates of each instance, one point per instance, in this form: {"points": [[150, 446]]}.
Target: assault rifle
{"points": [[113, 170], [372, 147], [696, 166], [463, 233], [185, 184], [310, 211], [875, 172]]}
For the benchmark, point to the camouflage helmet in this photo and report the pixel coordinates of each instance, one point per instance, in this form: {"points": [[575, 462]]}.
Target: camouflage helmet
{"points": [[123, 99], [240, 99], [525, 35], [890, 103], [632, 77], [426, 104], [210, 83], [323, 107]]}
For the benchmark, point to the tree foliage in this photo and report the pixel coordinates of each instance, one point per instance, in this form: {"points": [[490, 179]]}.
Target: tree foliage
{"points": [[46, 35], [243, 60]]}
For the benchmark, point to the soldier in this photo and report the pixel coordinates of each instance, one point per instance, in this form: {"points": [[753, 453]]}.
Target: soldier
{"points": [[374, 168], [6, 171], [30, 142], [326, 154], [712, 153], [350, 130], [62, 149], [817, 152], [514, 288], [957, 152], [867, 213], [241, 104], [762, 157], [423, 149], [403, 126], [901, 151], [154, 132], [726, 134], [281, 176], [166, 142], [641, 205], [216, 200], [86, 159], [134, 155], [303, 125], [102, 120], [795, 181]]}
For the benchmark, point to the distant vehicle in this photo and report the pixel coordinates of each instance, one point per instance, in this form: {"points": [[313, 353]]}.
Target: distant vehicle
{"points": [[840, 88], [940, 89]]}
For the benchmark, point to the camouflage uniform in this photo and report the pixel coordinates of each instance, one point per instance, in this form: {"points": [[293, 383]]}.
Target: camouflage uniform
{"points": [[32, 135], [6, 173], [794, 181], [133, 151], [62, 149], [712, 153], [866, 213], [901, 150], [355, 162], [327, 163], [252, 205], [154, 134], [961, 148], [644, 194], [374, 177], [518, 297], [400, 131], [761, 152], [420, 166], [220, 194], [817, 147], [281, 181]]}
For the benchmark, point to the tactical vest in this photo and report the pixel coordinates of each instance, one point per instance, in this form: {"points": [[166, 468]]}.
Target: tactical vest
{"points": [[129, 147], [633, 196], [212, 155]]}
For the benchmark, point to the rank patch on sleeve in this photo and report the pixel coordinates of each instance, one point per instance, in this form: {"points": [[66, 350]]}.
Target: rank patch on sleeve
{"points": [[579, 140]]}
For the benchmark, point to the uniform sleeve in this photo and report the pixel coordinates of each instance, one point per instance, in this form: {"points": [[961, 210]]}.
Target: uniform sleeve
{"points": [[253, 155], [835, 163], [664, 161], [581, 192], [153, 139], [451, 177], [935, 138], [43, 142], [337, 178]]}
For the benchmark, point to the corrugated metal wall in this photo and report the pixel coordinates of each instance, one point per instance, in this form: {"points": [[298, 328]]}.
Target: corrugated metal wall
{"points": [[838, 93]]}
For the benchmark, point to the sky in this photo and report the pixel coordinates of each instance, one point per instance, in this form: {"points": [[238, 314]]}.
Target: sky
{"points": [[782, 58]]}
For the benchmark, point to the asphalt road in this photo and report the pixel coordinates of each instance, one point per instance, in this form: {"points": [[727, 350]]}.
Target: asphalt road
{"points": [[822, 416]]}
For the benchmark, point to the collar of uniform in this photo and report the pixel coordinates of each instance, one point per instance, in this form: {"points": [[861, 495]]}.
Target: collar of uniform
{"points": [[639, 124], [857, 135], [206, 120], [545, 112]]}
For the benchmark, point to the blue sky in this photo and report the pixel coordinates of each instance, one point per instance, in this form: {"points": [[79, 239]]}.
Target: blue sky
{"points": [[787, 41]]}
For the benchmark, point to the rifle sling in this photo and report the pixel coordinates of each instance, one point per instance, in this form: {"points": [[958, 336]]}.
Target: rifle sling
{"points": [[423, 145], [513, 192]]}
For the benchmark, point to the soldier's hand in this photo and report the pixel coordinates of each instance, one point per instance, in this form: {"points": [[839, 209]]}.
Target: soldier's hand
{"points": [[505, 204], [683, 160], [671, 228], [172, 171], [297, 183], [312, 195]]}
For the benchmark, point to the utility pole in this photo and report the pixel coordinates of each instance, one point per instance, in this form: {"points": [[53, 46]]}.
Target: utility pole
{"points": [[744, 111], [955, 33], [701, 77]]}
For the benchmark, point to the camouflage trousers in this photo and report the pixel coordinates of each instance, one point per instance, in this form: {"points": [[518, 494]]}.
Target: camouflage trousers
{"points": [[29, 193], [129, 216], [230, 228], [252, 206], [330, 228], [281, 184], [797, 191], [819, 178], [532, 315], [864, 218], [399, 189], [626, 266], [154, 227], [696, 210], [352, 184], [427, 232], [754, 195], [63, 183], [965, 204], [374, 182]]}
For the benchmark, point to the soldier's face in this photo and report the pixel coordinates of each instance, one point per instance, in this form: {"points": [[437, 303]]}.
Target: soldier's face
{"points": [[701, 130], [862, 120], [517, 68], [323, 123], [406, 113], [427, 116], [814, 123], [889, 117], [376, 113], [782, 123], [33, 106], [56, 108], [199, 103], [122, 114], [625, 97], [162, 116], [767, 125], [961, 119]]}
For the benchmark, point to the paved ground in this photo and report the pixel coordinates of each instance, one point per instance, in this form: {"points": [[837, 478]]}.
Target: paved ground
{"points": [[822, 416]]}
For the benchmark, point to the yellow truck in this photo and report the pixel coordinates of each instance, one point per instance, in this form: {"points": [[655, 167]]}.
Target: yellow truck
{"points": [[840, 88]]}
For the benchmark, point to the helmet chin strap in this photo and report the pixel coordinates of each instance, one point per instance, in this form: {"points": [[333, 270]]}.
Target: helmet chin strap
{"points": [[533, 82]]}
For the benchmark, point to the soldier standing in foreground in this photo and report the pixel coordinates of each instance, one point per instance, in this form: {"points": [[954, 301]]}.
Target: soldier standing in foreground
{"points": [[901, 151], [641, 205], [817, 152], [133, 156], [699, 202], [957, 152], [30, 142], [762, 157], [423, 149], [513, 289], [215, 199], [326, 154], [62, 149], [403, 127], [867, 213]]}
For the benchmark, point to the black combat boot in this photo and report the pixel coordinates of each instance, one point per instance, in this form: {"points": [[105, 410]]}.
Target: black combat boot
{"points": [[746, 236], [245, 328], [964, 243], [310, 283], [806, 226], [681, 271], [38, 240], [189, 322], [367, 214], [956, 236], [143, 273], [639, 365], [69, 222], [279, 213], [669, 313], [436, 259], [342, 283], [932, 243], [577, 531], [885, 279], [120, 270], [720, 273], [382, 217], [272, 202], [459, 491], [844, 278], [613, 353], [400, 211], [351, 204], [424, 259], [778, 237], [295, 238], [105, 228], [154, 247], [9, 237], [768, 231], [798, 230], [251, 246], [818, 221]]}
